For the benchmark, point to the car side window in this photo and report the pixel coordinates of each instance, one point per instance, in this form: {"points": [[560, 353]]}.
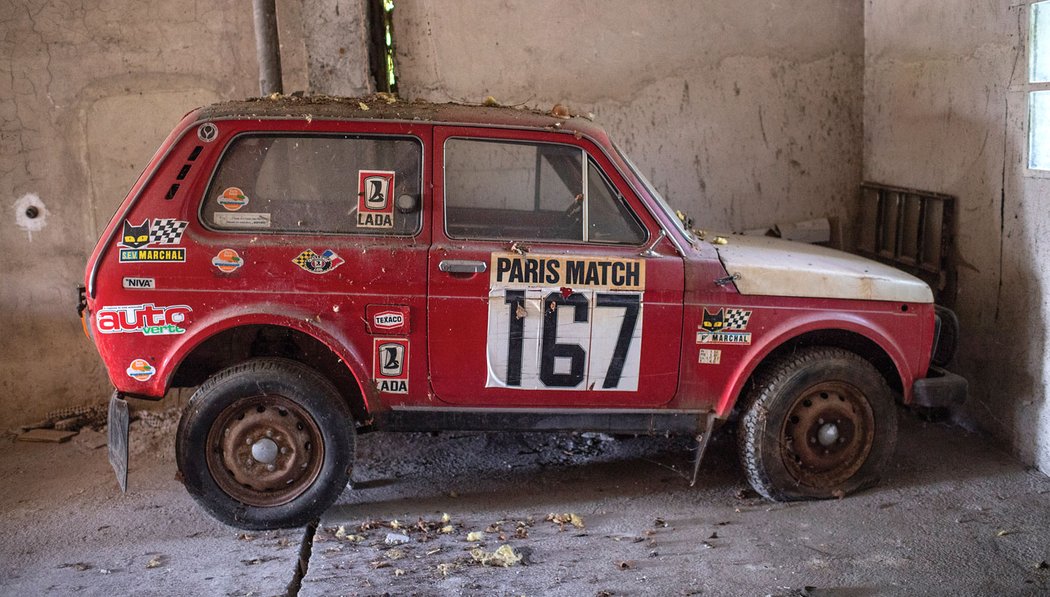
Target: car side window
{"points": [[532, 191], [317, 184]]}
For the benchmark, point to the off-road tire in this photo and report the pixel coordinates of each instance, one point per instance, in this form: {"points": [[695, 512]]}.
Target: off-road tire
{"points": [[831, 380], [277, 398]]}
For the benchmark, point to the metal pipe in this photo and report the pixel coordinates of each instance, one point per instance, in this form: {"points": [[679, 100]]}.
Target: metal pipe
{"points": [[267, 46]]}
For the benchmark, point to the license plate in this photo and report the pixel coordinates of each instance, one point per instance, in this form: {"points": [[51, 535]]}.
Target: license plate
{"points": [[118, 439]]}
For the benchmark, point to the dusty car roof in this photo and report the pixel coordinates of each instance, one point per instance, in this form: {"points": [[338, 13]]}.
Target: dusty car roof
{"points": [[387, 107]]}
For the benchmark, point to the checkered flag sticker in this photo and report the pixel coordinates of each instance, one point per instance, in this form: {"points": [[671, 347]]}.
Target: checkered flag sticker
{"points": [[304, 258], [167, 231], [736, 319]]}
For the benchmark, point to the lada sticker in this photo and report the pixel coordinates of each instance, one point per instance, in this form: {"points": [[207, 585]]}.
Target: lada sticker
{"points": [[390, 365], [375, 206]]}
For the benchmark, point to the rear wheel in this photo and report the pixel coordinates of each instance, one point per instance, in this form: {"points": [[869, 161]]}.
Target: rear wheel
{"points": [[268, 443], [818, 423]]}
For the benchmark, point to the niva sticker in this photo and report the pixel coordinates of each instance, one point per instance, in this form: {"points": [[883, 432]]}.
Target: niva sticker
{"points": [[147, 319], [138, 242], [140, 283], [390, 365], [375, 206], [227, 260], [318, 264], [232, 199], [141, 370]]}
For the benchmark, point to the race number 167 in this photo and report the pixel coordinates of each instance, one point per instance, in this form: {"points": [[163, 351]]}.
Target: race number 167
{"points": [[586, 340]]}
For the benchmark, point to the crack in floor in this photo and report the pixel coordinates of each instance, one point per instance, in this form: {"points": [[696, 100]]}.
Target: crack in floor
{"points": [[305, 550]]}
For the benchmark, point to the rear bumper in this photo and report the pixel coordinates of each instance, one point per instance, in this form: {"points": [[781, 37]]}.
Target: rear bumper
{"points": [[941, 388]]}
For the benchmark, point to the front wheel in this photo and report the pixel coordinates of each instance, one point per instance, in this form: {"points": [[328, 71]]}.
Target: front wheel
{"points": [[265, 444], [819, 423]]}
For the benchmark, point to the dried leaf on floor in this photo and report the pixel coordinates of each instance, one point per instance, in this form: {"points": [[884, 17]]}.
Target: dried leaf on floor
{"points": [[504, 556], [155, 562], [563, 519], [1005, 532], [475, 536]]}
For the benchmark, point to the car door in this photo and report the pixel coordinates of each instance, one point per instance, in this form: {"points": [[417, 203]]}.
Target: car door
{"points": [[541, 290]]}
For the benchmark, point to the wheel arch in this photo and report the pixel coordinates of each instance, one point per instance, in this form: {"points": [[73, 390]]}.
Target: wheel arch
{"points": [[865, 341], [217, 347]]}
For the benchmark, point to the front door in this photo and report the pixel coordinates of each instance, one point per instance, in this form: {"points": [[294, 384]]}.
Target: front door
{"points": [[540, 290]]}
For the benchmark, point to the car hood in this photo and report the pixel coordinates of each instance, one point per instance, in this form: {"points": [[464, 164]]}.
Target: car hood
{"points": [[774, 267]]}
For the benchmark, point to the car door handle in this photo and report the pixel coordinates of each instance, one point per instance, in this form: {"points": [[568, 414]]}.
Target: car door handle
{"points": [[462, 266]]}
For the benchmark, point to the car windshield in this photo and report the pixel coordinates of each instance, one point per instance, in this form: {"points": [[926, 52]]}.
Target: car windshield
{"points": [[672, 214]]}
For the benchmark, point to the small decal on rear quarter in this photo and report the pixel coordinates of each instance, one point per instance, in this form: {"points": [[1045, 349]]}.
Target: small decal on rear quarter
{"points": [[318, 264], [390, 365], [232, 199], [227, 260], [140, 283], [141, 370]]}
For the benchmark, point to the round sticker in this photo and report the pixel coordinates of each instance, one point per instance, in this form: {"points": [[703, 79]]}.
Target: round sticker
{"points": [[141, 370], [227, 260], [233, 199]]}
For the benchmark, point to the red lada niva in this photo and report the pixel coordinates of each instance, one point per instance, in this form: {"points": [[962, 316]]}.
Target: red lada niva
{"points": [[323, 267]]}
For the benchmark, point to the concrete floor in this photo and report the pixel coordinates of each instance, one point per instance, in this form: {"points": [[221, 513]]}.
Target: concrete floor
{"points": [[955, 516]]}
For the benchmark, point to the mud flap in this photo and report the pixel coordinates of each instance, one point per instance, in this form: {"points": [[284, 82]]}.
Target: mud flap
{"points": [[118, 438]]}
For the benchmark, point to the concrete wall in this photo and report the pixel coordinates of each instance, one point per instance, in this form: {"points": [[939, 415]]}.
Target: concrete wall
{"points": [[743, 114], [944, 110], [87, 92]]}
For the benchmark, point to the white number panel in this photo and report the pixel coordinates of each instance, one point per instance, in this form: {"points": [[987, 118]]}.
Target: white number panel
{"points": [[546, 339]]}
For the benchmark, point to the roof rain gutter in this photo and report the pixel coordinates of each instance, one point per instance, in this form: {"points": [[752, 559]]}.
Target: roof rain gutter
{"points": [[267, 46]]}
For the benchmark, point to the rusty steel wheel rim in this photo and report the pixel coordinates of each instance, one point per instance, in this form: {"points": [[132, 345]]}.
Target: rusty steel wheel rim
{"points": [[264, 450], [827, 434]]}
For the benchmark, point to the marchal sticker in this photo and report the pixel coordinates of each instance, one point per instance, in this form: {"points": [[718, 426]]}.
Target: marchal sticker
{"points": [[138, 242], [227, 260], [318, 264], [147, 319], [375, 206], [232, 199], [140, 370], [390, 365], [724, 326]]}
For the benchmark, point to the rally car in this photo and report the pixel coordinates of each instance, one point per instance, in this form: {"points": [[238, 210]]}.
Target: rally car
{"points": [[323, 267]]}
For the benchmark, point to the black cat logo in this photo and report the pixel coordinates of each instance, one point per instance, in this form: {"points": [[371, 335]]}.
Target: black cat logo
{"points": [[713, 322], [136, 236]]}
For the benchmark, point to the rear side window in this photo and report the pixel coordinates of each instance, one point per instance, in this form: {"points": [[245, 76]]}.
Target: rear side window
{"points": [[317, 184], [532, 191]]}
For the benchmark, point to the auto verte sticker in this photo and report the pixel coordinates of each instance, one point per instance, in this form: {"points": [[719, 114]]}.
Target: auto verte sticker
{"points": [[147, 319], [569, 323]]}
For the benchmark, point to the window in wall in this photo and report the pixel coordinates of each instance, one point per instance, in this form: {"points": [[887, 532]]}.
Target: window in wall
{"points": [[317, 184], [532, 191], [1039, 86]]}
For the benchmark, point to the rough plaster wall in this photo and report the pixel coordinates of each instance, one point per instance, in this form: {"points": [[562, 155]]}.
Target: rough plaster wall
{"points": [[944, 111], [88, 91], [742, 114]]}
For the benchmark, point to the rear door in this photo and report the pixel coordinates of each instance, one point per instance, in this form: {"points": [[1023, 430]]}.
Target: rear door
{"points": [[539, 292]]}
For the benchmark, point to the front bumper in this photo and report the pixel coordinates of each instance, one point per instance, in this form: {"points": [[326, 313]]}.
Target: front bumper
{"points": [[941, 388]]}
